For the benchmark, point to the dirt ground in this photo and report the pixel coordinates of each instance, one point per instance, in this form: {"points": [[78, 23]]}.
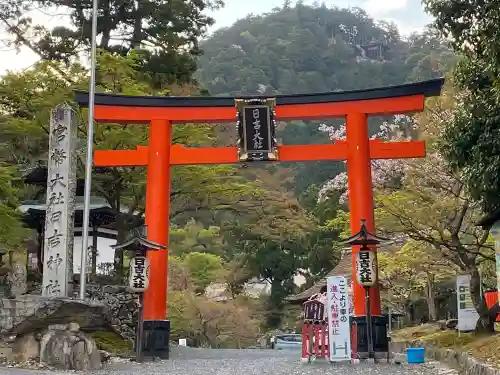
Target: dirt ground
{"points": [[191, 361], [482, 347]]}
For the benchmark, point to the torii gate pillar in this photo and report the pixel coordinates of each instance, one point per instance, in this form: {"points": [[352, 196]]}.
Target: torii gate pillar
{"points": [[359, 180], [157, 216]]}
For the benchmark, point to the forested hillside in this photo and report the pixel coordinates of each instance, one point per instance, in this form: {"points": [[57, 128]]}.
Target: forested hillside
{"points": [[312, 49], [306, 49]]}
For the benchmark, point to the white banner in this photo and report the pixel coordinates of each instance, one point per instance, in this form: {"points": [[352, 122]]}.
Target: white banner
{"points": [[366, 268], [339, 331], [138, 279], [467, 314]]}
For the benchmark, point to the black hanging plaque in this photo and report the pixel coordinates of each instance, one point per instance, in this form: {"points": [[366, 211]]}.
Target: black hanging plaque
{"points": [[256, 129]]}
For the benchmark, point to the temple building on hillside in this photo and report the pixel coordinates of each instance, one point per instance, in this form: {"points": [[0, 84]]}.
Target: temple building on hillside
{"points": [[374, 49], [253, 288], [343, 268]]}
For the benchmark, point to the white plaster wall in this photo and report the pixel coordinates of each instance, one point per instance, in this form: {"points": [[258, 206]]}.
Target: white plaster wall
{"points": [[105, 253]]}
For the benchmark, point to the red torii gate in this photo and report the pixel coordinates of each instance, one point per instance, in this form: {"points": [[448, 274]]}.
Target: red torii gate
{"points": [[160, 112]]}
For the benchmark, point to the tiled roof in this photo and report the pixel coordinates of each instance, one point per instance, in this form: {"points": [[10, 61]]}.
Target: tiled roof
{"points": [[343, 268]]}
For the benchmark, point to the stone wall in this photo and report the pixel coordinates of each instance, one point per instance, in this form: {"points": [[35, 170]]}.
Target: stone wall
{"points": [[14, 311], [121, 308]]}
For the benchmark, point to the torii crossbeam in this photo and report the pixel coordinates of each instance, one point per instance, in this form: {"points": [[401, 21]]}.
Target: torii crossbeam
{"points": [[160, 112]]}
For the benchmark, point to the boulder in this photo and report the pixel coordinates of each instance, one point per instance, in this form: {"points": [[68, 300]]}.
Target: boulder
{"points": [[451, 323], [25, 348], [53, 331], [46, 311], [69, 350], [110, 307], [61, 346]]}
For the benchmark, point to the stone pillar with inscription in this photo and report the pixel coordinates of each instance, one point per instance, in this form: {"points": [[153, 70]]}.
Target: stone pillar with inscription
{"points": [[60, 209]]}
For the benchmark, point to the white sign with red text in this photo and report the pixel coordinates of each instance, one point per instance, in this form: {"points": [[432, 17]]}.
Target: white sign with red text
{"points": [[339, 331]]}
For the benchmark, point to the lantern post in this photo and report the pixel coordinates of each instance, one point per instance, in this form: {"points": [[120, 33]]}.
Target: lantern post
{"points": [[366, 273], [138, 279]]}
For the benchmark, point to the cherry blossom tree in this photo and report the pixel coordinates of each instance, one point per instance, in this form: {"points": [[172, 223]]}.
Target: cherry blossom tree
{"points": [[425, 201], [385, 172], [434, 209]]}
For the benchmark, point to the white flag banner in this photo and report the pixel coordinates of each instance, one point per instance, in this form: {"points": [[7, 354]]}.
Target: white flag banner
{"points": [[467, 313], [138, 274], [339, 329]]}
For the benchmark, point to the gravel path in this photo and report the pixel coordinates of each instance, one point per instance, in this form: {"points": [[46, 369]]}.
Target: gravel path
{"points": [[188, 361]]}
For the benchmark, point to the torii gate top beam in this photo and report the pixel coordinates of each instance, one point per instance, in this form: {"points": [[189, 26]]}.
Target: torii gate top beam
{"points": [[377, 101]]}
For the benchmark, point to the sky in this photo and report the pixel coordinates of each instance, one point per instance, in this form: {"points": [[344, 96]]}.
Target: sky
{"points": [[407, 14]]}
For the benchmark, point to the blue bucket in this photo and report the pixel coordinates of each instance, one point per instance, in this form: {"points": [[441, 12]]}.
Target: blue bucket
{"points": [[415, 355]]}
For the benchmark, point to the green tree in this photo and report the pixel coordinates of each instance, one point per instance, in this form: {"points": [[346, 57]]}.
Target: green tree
{"points": [[12, 233], [435, 208], [27, 99], [166, 32], [204, 269], [415, 269], [207, 323], [470, 139], [179, 277], [194, 237], [449, 228], [270, 243]]}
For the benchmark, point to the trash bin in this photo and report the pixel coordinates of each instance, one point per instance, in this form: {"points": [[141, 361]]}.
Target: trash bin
{"points": [[157, 338], [415, 355]]}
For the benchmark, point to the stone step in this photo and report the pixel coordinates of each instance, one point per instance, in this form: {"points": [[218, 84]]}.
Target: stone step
{"points": [[29, 297], [7, 303], [26, 302], [9, 306]]}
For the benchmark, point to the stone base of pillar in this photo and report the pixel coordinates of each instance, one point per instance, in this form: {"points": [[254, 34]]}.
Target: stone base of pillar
{"points": [[380, 339], [380, 357], [156, 339]]}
